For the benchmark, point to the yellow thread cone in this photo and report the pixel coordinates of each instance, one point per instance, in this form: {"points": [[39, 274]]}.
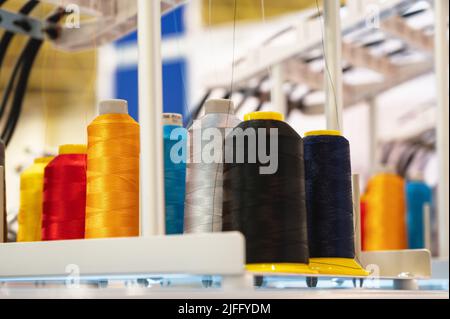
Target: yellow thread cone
{"points": [[385, 220], [30, 212], [112, 198]]}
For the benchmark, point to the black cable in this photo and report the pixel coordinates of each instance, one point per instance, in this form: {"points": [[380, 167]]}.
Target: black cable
{"points": [[11, 83], [260, 105], [25, 63], [4, 44], [58, 15], [2, 163], [374, 43], [53, 30], [312, 59], [4, 213], [413, 13], [28, 7], [16, 109], [348, 68], [227, 96], [290, 107], [300, 103], [399, 51], [406, 159]]}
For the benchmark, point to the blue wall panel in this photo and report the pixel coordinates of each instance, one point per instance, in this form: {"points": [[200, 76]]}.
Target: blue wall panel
{"points": [[174, 95], [174, 71], [126, 83]]}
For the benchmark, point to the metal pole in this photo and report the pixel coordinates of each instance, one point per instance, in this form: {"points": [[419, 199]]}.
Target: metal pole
{"points": [[333, 64], [150, 118], [442, 64], [373, 134], [357, 215], [279, 102], [427, 226], [3, 219]]}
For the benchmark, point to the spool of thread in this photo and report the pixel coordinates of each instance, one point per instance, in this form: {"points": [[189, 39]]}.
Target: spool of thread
{"points": [[112, 202], [204, 181], [329, 195], [31, 195], [385, 222], [418, 194], [3, 221], [64, 203], [363, 210], [330, 204], [269, 209], [175, 140]]}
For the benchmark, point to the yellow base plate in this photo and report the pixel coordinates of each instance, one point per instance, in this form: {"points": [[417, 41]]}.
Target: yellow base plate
{"points": [[301, 269], [337, 266], [323, 133]]}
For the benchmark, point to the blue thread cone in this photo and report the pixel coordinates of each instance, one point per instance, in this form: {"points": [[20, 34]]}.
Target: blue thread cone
{"points": [[175, 178], [417, 195]]}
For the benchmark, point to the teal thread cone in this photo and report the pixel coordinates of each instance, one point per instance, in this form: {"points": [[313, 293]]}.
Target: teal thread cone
{"points": [[417, 195], [174, 177]]}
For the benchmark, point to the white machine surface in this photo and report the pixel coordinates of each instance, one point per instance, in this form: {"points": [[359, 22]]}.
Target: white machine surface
{"points": [[173, 293]]}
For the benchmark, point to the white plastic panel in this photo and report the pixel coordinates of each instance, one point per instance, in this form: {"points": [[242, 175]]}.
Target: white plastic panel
{"points": [[208, 254], [398, 263]]}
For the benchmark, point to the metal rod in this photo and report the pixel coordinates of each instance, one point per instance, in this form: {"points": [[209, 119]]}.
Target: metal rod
{"points": [[442, 64], [333, 64], [427, 226], [373, 134], [150, 118], [3, 219], [357, 215], [279, 102]]}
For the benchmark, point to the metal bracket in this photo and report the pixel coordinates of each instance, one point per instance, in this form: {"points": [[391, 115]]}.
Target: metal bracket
{"points": [[399, 264], [19, 23]]}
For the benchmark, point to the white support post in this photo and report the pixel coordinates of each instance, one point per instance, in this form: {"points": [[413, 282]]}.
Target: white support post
{"points": [[279, 102], [333, 64], [3, 219], [150, 118], [357, 215], [373, 134], [427, 226], [442, 65]]}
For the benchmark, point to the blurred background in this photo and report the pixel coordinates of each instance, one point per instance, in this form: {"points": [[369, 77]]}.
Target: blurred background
{"points": [[210, 47]]}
